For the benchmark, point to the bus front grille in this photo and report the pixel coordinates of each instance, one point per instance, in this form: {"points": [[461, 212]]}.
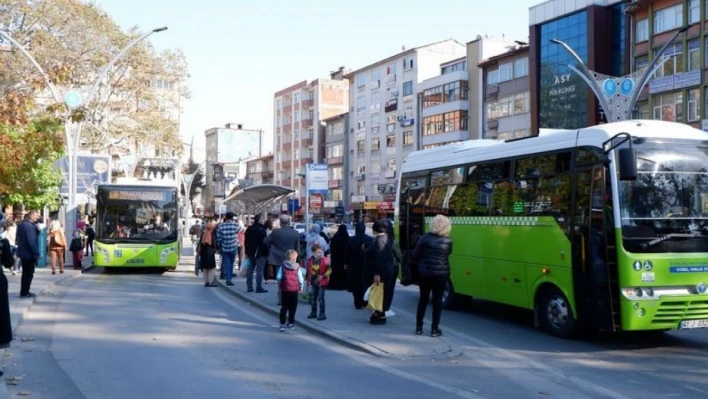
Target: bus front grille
{"points": [[674, 312]]}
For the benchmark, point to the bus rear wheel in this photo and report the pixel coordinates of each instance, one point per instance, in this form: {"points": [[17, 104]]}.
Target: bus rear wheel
{"points": [[556, 315]]}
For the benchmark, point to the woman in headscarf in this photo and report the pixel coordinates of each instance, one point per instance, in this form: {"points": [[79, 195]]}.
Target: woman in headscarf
{"points": [[380, 267], [339, 251], [315, 238], [355, 265], [207, 254], [397, 259], [57, 246]]}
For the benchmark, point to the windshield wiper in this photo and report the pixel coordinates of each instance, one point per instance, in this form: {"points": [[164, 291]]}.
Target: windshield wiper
{"points": [[668, 237]]}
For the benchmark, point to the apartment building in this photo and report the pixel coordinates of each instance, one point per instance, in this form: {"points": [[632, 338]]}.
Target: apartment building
{"points": [[674, 94], [443, 103], [260, 170], [597, 31], [336, 203], [506, 94], [299, 112], [382, 121]]}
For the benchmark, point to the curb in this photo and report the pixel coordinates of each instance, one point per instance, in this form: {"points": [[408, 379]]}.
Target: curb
{"points": [[334, 336]]}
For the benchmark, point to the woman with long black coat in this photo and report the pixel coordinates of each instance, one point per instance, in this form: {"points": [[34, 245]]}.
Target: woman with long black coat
{"points": [[356, 265], [380, 266], [339, 251], [5, 321]]}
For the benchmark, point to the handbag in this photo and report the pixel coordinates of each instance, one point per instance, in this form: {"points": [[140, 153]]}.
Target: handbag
{"points": [[376, 297], [245, 268]]}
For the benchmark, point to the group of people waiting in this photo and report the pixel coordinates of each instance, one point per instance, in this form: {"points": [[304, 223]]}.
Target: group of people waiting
{"points": [[273, 251]]}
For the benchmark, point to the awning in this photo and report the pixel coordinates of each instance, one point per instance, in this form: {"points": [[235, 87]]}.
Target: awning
{"points": [[256, 199]]}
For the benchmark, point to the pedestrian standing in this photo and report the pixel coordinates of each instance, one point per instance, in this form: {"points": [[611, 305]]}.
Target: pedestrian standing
{"points": [[206, 247], [10, 234], [257, 252], [90, 236], [227, 237], [356, 264], [379, 266], [279, 243], [397, 258], [431, 257], [315, 238], [318, 273], [5, 321], [290, 281], [77, 249], [57, 246], [27, 251], [339, 254]]}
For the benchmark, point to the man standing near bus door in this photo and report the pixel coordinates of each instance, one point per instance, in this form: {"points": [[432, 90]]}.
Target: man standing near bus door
{"points": [[28, 251], [227, 237]]}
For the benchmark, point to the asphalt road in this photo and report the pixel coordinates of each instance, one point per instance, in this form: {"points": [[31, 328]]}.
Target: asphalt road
{"points": [[140, 335]]}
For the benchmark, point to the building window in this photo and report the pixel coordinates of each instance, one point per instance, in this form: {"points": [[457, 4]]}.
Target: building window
{"points": [[448, 122], [506, 106], [361, 145], [361, 189], [521, 67], [296, 98], [407, 64], [694, 98], [336, 173], [391, 165], [407, 138], [641, 62], [521, 103], [458, 66], [492, 110], [407, 88], [375, 144], [642, 30], [432, 125], [669, 107], [433, 96], [694, 11], [361, 104], [376, 167], [375, 75], [643, 110], [375, 120], [336, 150], [391, 70], [669, 18], [452, 91], [361, 168], [493, 77], [360, 124], [391, 141], [361, 80], [506, 72], [694, 55], [674, 63]]}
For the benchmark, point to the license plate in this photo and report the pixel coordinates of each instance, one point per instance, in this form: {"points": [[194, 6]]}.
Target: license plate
{"points": [[689, 324]]}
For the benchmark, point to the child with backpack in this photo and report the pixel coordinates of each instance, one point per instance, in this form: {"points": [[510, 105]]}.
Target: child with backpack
{"points": [[290, 280], [77, 249], [318, 273]]}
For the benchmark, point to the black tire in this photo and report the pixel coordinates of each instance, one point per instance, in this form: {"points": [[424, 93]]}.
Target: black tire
{"points": [[451, 300], [556, 314]]}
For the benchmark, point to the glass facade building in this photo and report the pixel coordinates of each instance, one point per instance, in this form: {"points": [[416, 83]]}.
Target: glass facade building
{"points": [[563, 96]]}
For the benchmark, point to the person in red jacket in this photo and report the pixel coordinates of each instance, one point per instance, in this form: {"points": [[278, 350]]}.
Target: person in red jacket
{"points": [[318, 273]]}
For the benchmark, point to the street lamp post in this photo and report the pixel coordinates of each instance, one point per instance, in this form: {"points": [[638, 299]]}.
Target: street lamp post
{"points": [[72, 130]]}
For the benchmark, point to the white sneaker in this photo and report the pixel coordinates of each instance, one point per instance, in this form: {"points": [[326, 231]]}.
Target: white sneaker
{"points": [[390, 313]]}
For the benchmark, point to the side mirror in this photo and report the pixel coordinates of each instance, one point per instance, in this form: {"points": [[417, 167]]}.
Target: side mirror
{"points": [[627, 164]]}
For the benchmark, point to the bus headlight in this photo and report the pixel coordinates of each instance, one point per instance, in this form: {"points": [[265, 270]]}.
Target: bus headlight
{"points": [[638, 293]]}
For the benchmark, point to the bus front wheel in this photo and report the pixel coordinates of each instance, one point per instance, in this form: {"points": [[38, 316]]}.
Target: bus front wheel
{"points": [[556, 314], [450, 300]]}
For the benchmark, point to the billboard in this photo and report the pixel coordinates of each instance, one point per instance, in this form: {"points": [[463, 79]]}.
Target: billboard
{"points": [[91, 170], [317, 178], [235, 145]]}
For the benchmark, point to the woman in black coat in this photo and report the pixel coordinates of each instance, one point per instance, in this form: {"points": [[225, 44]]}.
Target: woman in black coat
{"points": [[431, 257], [355, 265], [380, 266], [5, 321], [339, 251], [207, 254]]}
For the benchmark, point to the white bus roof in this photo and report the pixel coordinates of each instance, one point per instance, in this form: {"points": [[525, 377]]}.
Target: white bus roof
{"points": [[548, 140], [132, 181]]}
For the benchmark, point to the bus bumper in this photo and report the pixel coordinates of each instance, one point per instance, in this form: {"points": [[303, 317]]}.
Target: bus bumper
{"points": [[136, 255], [679, 312]]}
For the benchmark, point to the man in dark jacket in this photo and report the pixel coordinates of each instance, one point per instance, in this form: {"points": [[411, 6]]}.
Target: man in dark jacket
{"points": [[280, 241], [256, 252], [27, 251]]}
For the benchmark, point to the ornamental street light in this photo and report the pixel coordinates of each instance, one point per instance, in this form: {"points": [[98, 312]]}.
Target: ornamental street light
{"points": [[72, 130]]}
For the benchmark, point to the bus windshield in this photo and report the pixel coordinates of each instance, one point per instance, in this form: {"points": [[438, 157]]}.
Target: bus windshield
{"points": [[137, 215], [666, 208]]}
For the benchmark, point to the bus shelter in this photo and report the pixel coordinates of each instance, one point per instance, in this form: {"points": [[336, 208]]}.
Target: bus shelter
{"points": [[255, 200]]}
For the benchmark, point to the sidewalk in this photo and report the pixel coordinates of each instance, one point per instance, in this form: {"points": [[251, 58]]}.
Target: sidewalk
{"points": [[351, 327], [19, 307]]}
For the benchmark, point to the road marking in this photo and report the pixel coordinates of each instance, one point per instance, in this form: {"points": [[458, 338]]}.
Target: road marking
{"points": [[350, 354], [541, 370]]}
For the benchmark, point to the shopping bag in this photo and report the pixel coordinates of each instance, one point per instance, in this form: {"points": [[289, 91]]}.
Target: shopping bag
{"points": [[367, 294], [245, 267], [376, 297]]}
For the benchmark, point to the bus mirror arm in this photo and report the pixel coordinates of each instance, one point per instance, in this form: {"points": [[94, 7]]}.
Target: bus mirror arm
{"points": [[627, 157]]}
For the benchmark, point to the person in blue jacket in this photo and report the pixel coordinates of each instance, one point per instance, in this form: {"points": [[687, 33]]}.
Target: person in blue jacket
{"points": [[27, 251]]}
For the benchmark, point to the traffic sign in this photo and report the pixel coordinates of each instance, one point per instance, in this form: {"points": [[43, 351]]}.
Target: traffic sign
{"points": [[72, 99], [293, 205]]}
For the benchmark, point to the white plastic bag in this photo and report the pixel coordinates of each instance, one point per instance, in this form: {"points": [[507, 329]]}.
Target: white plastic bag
{"points": [[367, 293]]}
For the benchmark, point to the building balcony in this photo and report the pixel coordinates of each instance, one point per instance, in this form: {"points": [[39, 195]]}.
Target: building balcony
{"points": [[492, 89], [267, 173], [287, 127], [492, 123], [287, 109], [306, 142], [306, 104], [287, 147], [296, 107], [334, 183], [335, 160], [306, 123], [305, 161]]}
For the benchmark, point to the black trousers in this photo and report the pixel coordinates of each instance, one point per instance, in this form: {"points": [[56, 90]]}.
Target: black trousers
{"points": [[389, 289], [89, 245], [27, 275], [288, 307], [436, 285]]}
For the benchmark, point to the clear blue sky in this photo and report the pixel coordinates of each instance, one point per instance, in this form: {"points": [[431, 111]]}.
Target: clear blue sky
{"points": [[240, 52]]}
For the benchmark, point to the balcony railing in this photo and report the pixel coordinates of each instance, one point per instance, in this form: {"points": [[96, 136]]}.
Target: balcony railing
{"points": [[308, 103], [306, 123], [287, 109], [307, 142]]}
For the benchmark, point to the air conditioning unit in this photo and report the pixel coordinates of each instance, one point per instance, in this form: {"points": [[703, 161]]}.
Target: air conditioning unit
{"points": [[400, 117]]}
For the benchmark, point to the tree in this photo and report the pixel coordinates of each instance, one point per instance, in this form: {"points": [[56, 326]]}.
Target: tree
{"points": [[197, 181]]}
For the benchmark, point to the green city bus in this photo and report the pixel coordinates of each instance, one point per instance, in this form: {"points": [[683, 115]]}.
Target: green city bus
{"points": [[137, 226], [605, 226]]}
